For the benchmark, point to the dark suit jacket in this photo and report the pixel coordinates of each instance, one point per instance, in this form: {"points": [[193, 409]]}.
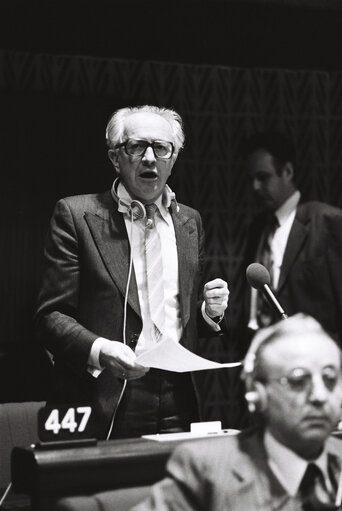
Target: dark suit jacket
{"points": [[83, 288], [311, 274], [224, 474]]}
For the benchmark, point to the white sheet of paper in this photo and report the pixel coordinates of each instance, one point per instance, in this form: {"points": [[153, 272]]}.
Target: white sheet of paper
{"points": [[172, 356]]}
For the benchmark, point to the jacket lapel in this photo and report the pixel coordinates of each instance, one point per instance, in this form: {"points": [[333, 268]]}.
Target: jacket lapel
{"points": [[110, 236], [298, 234], [109, 233], [187, 250], [256, 485]]}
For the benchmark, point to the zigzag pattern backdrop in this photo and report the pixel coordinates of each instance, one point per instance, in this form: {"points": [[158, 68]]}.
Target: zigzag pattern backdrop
{"points": [[220, 107]]}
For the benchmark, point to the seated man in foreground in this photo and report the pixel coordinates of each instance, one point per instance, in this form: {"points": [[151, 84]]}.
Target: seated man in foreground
{"points": [[294, 384]]}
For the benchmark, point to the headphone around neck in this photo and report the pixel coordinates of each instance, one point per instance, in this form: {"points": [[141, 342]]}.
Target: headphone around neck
{"points": [[135, 208]]}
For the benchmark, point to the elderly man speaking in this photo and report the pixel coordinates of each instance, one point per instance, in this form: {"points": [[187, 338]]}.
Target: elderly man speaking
{"points": [[122, 271]]}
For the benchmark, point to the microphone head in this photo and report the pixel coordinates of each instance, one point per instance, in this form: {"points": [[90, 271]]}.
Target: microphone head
{"points": [[257, 275]]}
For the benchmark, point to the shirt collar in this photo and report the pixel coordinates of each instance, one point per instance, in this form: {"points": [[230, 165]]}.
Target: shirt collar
{"points": [[163, 202], [288, 207], [288, 466]]}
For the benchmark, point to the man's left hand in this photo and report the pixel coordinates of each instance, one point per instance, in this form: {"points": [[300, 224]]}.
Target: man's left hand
{"points": [[215, 294]]}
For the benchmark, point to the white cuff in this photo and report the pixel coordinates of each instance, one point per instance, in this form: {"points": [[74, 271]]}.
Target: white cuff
{"points": [[94, 366], [215, 326]]}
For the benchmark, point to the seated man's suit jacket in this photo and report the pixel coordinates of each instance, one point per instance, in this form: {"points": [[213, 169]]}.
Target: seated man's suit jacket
{"points": [[86, 263], [224, 474], [311, 273]]}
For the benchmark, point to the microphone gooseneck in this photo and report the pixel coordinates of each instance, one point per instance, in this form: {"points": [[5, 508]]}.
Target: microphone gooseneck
{"points": [[258, 277]]}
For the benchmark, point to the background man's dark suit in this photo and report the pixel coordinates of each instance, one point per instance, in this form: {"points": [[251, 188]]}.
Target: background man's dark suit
{"points": [[311, 273], [83, 290]]}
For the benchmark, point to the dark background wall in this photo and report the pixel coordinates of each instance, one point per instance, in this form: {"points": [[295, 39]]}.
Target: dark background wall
{"points": [[229, 67], [248, 33]]}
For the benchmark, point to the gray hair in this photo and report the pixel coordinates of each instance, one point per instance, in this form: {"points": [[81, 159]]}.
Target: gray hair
{"points": [[114, 130], [296, 325]]}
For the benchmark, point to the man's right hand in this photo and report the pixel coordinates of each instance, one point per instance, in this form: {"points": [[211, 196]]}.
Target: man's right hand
{"points": [[120, 359]]}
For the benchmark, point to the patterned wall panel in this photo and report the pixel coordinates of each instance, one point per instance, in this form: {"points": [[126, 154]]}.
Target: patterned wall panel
{"points": [[220, 107]]}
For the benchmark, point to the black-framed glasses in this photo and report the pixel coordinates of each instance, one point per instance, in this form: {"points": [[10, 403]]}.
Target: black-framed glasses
{"points": [[136, 147], [300, 379]]}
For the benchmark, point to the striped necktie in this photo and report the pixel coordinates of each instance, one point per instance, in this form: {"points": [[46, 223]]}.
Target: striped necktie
{"points": [[154, 271]]}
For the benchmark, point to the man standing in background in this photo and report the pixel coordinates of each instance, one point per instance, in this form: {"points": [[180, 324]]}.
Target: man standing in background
{"points": [[299, 243]]}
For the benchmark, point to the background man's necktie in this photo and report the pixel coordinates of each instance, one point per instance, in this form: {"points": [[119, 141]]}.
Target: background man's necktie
{"points": [[313, 492], [154, 271], [264, 310]]}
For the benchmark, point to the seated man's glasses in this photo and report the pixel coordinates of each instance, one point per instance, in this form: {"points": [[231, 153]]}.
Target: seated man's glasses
{"points": [[136, 147], [300, 379]]}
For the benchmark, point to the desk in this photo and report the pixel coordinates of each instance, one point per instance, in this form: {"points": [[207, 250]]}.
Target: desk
{"points": [[49, 474]]}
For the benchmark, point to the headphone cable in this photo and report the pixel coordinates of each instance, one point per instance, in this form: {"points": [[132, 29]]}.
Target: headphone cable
{"points": [[124, 322]]}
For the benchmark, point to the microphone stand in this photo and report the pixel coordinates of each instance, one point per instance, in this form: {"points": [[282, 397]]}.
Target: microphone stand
{"points": [[273, 301]]}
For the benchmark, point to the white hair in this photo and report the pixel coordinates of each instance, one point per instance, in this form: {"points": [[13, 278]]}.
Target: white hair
{"points": [[115, 126]]}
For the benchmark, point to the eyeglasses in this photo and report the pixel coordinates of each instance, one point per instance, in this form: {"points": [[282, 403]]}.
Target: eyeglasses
{"points": [[136, 147], [300, 379]]}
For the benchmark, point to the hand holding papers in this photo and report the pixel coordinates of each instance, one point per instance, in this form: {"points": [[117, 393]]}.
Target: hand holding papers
{"points": [[172, 356]]}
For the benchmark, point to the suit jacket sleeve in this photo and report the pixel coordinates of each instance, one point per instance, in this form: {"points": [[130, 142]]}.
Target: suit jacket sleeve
{"points": [[334, 264], [204, 328], [56, 320], [184, 487]]}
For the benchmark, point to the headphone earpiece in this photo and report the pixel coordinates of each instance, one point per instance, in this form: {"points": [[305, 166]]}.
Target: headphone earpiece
{"points": [[252, 399], [137, 209], [256, 397]]}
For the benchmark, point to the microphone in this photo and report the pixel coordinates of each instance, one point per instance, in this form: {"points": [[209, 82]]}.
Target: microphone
{"points": [[258, 277]]}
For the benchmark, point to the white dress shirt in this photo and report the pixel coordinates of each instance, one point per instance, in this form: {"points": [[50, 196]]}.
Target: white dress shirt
{"points": [[136, 236], [285, 215], [289, 468]]}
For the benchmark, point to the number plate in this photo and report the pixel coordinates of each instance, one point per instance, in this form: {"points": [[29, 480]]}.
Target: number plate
{"points": [[64, 422]]}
